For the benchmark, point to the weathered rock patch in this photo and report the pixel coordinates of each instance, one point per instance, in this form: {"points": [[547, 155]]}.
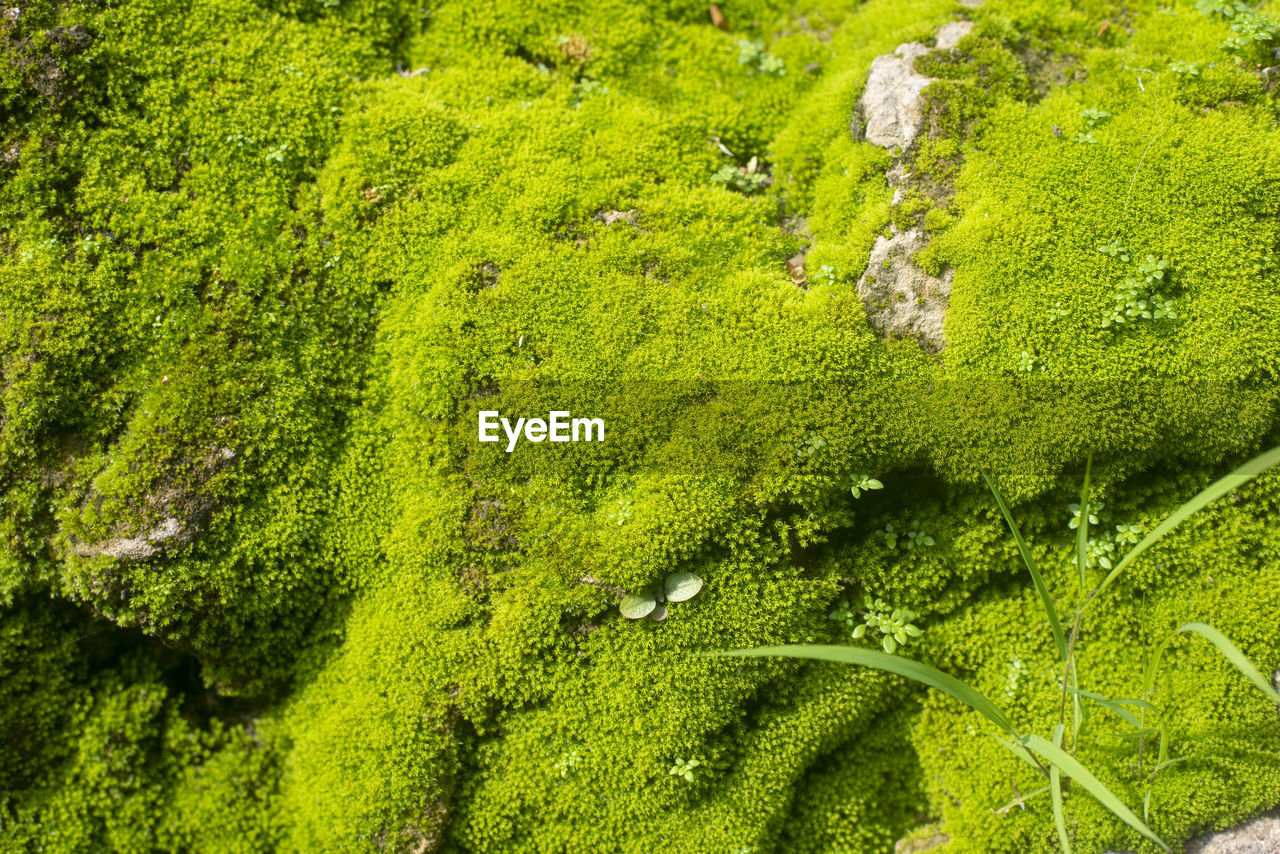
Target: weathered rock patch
{"points": [[902, 299]]}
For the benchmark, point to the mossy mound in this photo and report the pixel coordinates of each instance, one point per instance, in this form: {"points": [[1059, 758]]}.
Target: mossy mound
{"points": [[265, 264]]}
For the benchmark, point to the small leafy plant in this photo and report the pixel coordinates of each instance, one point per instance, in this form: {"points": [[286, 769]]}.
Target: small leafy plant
{"points": [[863, 483], [1050, 755], [828, 274], [652, 601], [746, 179], [1094, 510], [752, 53], [683, 768], [909, 538], [1092, 118], [568, 763], [894, 627], [1138, 298], [810, 446], [1251, 28], [623, 513]]}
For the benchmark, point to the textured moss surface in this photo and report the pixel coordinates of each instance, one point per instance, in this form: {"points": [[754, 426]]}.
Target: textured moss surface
{"points": [[262, 264]]}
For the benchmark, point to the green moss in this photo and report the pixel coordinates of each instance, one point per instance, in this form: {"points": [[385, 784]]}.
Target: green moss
{"points": [[260, 284]]}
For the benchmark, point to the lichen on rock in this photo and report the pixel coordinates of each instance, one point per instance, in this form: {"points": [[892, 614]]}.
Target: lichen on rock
{"points": [[901, 299], [892, 103]]}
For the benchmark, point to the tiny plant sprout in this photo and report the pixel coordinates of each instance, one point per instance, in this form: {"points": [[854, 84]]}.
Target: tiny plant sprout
{"points": [[910, 538], [1095, 508], [894, 627], [684, 769], [1093, 116], [862, 483], [652, 602]]}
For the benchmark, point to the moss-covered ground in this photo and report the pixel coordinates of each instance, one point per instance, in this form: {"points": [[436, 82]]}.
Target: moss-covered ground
{"points": [[262, 264]]}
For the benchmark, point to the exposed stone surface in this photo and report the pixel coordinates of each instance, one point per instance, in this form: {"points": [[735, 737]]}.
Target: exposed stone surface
{"points": [[140, 547], [1259, 836], [902, 299], [923, 839], [181, 513], [891, 103], [614, 217], [950, 33]]}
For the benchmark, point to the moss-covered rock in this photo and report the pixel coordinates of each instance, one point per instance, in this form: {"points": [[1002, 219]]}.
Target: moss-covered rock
{"points": [[264, 265]]}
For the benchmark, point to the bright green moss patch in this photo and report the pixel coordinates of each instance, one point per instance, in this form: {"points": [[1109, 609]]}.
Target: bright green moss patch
{"points": [[264, 264]]}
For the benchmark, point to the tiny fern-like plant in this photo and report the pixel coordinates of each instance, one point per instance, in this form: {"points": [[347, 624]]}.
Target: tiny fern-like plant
{"points": [[1054, 757], [652, 601]]}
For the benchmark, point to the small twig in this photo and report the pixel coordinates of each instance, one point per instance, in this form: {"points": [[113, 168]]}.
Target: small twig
{"points": [[1019, 799], [1133, 179], [720, 145]]}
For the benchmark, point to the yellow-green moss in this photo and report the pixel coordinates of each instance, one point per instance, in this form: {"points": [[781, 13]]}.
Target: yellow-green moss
{"points": [[263, 265]]}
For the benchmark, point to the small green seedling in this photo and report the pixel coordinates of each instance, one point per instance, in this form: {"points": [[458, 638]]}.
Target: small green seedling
{"points": [[1138, 298], [1153, 269], [741, 179], [652, 601], [568, 763], [752, 53], [1095, 508], [910, 538], [684, 769], [863, 483], [1094, 117], [1115, 250], [894, 627]]}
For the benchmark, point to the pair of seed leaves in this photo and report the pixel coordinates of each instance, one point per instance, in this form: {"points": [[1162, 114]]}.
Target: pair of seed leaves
{"points": [[652, 601]]}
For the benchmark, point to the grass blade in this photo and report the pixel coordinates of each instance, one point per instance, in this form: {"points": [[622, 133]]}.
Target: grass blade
{"points": [[1055, 624], [1082, 533], [1117, 706], [1018, 749], [1208, 495], [895, 664], [1235, 656], [1151, 668], [1055, 792], [1063, 761]]}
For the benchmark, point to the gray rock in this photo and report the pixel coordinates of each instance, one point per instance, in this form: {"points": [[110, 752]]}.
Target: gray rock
{"points": [[169, 531], [614, 217], [902, 299], [950, 33], [1259, 836], [891, 103], [181, 514], [922, 840]]}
